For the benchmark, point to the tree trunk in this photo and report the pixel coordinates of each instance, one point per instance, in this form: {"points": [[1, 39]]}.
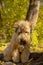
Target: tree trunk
{"points": [[32, 16], [33, 11]]}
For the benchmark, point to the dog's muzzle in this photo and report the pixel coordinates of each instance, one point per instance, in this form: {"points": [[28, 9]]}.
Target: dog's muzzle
{"points": [[21, 45], [22, 41]]}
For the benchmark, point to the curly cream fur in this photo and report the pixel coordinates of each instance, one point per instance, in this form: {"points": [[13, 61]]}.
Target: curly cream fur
{"points": [[22, 31]]}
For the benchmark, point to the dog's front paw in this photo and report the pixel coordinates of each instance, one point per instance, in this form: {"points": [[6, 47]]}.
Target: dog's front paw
{"points": [[15, 55]]}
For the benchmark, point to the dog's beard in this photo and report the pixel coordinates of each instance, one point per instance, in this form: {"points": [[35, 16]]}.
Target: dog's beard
{"points": [[21, 54]]}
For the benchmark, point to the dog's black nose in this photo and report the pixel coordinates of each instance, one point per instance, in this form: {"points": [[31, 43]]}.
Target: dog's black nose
{"points": [[20, 52], [22, 42]]}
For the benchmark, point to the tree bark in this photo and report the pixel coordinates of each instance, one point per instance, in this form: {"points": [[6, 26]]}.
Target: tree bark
{"points": [[33, 11]]}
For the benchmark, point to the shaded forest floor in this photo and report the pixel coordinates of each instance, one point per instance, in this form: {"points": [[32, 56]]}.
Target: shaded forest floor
{"points": [[2, 48]]}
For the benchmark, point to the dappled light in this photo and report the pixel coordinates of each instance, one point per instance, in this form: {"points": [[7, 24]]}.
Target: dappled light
{"points": [[24, 18]]}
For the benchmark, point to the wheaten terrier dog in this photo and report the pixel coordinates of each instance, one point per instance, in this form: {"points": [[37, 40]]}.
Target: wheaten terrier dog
{"points": [[19, 48]]}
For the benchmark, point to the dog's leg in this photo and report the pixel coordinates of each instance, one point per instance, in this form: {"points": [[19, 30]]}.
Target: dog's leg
{"points": [[8, 51], [15, 55], [25, 55]]}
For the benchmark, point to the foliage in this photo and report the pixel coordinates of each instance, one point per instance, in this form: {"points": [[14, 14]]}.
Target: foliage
{"points": [[13, 10], [37, 35]]}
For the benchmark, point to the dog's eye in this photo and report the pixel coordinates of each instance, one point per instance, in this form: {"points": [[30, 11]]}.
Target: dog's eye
{"points": [[27, 32], [18, 30]]}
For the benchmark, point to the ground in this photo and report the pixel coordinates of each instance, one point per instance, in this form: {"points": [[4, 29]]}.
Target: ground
{"points": [[31, 49]]}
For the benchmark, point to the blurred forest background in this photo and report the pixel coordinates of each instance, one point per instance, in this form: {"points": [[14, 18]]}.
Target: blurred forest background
{"points": [[10, 12]]}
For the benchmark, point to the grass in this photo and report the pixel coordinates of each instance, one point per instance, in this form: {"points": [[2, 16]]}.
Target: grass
{"points": [[3, 47]]}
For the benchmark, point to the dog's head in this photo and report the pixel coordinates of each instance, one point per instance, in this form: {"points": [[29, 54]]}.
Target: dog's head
{"points": [[22, 28]]}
